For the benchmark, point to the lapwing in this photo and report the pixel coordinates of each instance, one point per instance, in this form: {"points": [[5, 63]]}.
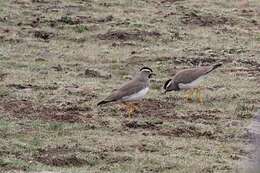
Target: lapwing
{"points": [[132, 90], [189, 79]]}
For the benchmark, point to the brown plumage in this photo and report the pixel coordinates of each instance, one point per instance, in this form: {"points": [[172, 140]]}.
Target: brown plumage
{"points": [[188, 77], [135, 89], [131, 87]]}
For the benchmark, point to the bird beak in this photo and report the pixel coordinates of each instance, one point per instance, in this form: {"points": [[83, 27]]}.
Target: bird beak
{"points": [[152, 74], [164, 91]]}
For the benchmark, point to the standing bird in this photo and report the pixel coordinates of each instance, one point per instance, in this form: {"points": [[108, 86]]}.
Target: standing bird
{"points": [[133, 90], [189, 79]]}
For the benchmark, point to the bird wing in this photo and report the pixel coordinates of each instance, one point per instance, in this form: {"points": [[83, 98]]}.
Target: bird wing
{"points": [[189, 75], [127, 89]]}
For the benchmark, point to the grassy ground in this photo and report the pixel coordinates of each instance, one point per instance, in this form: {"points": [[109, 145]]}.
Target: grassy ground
{"points": [[59, 58]]}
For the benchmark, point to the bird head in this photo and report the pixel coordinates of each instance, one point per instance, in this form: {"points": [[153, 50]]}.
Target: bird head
{"points": [[146, 72]]}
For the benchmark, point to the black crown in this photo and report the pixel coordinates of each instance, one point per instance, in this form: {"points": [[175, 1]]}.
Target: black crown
{"points": [[147, 68]]}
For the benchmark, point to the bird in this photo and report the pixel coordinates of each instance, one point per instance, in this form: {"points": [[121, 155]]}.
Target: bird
{"points": [[133, 90], [189, 79]]}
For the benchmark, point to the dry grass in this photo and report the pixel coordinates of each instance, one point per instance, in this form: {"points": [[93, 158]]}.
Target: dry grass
{"points": [[59, 58]]}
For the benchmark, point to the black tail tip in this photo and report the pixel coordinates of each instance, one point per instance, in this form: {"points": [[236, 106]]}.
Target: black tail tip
{"points": [[101, 103], [218, 65]]}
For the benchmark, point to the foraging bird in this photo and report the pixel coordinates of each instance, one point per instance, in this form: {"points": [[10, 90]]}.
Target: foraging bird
{"points": [[133, 90], [189, 79]]}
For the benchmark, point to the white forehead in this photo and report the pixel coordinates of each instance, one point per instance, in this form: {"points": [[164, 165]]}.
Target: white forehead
{"points": [[147, 70], [169, 83]]}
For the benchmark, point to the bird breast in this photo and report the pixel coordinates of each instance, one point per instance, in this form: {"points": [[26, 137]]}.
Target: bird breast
{"points": [[136, 96], [192, 84]]}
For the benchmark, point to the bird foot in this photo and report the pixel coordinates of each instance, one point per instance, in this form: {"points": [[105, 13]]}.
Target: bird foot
{"points": [[130, 109], [189, 95], [198, 94]]}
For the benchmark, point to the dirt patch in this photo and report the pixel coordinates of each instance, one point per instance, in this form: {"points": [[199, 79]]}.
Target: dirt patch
{"points": [[129, 35], [252, 63], [76, 20], [61, 161], [10, 34], [248, 72], [94, 73], [3, 76], [198, 60], [61, 156], [141, 124], [195, 17], [43, 35], [27, 109], [145, 147], [156, 108], [117, 159], [70, 20], [186, 131], [209, 115], [30, 86], [58, 114], [170, 1], [17, 107], [65, 156]]}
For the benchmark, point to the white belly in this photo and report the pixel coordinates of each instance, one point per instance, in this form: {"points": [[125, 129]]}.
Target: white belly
{"points": [[191, 85], [137, 96]]}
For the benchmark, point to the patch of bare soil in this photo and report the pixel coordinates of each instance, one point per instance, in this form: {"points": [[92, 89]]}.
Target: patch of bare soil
{"points": [[3, 76], [249, 72], [30, 86], [5, 167], [70, 20], [186, 131], [64, 155], [209, 115], [195, 17], [43, 35], [27, 109], [145, 148], [60, 156], [9, 34], [76, 20], [94, 73], [252, 63], [128, 35], [170, 1], [142, 125], [71, 160], [196, 60], [117, 159], [91, 19], [156, 108], [201, 59]]}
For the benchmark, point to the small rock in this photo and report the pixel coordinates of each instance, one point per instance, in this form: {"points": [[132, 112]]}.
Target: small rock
{"points": [[93, 73], [57, 68], [43, 35], [43, 72], [40, 60]]}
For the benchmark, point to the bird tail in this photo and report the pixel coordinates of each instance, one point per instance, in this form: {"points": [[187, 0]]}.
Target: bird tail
{"points": [[102, 102], [215, 66]]}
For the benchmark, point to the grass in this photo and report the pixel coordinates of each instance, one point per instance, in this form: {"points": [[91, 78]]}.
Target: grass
{"points": [[48, 115]]}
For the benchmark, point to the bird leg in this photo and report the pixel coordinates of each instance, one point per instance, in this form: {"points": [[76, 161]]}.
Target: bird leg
{"points": [[198, 94], [130, 108], [136, 107], [189, 94]]}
